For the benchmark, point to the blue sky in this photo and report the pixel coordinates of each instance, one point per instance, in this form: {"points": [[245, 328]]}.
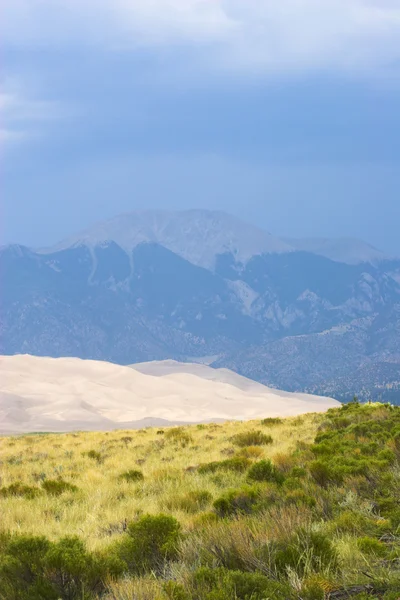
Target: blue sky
{"points": [[284, 113]]}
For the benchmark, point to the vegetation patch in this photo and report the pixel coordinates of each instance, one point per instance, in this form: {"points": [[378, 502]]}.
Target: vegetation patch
{"points": [[251, 438], [132, 475], [56, 487], [315, 515]]}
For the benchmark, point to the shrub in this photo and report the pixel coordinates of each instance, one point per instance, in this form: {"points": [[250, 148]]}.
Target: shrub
{"points": [[264, 470], [306, 552], [95, 455], [372, 546], [22, 573], [238, 464], [19, 489], [242, 501], [74, 572], [175, 591], [321, 473], [251, 438], [132, 476], [251, 452], [223, 584], [300, 498], [179, 436], [194, 501], [56, 487], [358, 524], [150, 542], [32, 568], [272, 421]]}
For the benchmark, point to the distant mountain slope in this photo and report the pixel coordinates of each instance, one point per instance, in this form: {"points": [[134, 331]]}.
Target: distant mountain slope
{"points": [[198, 236], [65, 394], [204, 284], [347, 250]]}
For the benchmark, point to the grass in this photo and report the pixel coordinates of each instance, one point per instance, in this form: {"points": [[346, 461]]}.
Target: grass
{"points": [[98, 463], [308, 511]]}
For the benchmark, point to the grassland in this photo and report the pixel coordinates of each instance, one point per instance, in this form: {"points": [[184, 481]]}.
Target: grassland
{"points": [[304, 508]]}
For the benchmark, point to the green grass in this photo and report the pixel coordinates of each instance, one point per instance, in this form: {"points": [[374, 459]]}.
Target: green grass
{"points": [[211, 512]]}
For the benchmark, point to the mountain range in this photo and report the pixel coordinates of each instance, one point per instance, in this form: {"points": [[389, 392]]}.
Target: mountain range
{"points": [[313, 315]]}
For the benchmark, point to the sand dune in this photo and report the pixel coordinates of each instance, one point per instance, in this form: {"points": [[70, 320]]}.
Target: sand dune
{"points": [[65, 394]]}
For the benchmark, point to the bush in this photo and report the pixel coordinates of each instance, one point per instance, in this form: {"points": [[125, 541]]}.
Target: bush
{"points": [[264, 470], [321, 473], [242, 501], [132, 476], [300, 498], [251, 452], [56, 487], [372, 546], [272, 421], [179, 436], [251, 438], [223, 584], [306, 552], [32, 568], [22, 569], [194, 501], [19, 489], [238, 464], [95, 455], [150, 542]]}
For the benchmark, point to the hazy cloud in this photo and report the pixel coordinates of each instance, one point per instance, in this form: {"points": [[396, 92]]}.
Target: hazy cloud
{"points": [[266, 35], [20, 114]]}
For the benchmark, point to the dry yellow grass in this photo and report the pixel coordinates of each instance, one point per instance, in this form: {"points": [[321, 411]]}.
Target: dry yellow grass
{"points": [[103, 503]]}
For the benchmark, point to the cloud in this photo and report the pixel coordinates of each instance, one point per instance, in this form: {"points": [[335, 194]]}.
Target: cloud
{"points": [[21, 114], [269, 36]]}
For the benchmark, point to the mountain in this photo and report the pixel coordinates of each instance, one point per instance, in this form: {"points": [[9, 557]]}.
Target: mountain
{"points": [[198, 236], [202, 286]]}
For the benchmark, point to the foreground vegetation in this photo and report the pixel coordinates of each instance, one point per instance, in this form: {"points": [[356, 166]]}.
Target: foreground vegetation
{"points": [[305, 508]]}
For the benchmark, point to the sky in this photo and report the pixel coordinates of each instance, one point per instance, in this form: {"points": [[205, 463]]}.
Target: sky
{"points": [[283, 113]]}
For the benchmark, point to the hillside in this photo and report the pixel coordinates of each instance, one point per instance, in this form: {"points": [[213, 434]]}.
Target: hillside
{"points": [[305, 508], [319, 316], [69, 394]]}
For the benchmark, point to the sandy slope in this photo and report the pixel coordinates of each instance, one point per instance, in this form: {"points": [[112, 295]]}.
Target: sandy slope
{"points": [[64, 394]]}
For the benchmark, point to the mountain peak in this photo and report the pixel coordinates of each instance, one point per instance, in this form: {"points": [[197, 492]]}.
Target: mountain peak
{"points": [[199, 236]]}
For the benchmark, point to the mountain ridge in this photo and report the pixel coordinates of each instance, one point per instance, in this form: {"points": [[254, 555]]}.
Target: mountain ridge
{"points": [[293, 320], [201, 235]]}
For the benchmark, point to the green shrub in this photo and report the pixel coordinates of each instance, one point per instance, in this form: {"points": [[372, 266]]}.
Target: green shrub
{"points": [[22, 569], [19, 489], [56, 487], [272, 421], [175, 591], [223, 584], [238, 464], [75, 573], [252, 452], [194, 501], [32, 568], [178, 435], [321, 473], [95, 455], [354, 523], [306, 552], [264, 470], [150, 542], [300, 498], [372, 546], [299, 472], [242, 501], [132, 476], [251, 438]]}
